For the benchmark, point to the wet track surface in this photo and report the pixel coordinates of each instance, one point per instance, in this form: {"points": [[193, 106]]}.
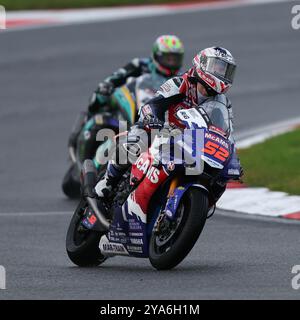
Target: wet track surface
{"points": [[46, 78]]}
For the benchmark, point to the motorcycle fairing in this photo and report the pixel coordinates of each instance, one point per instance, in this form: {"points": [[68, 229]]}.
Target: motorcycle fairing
{"points": [[90, 221], [217, 149], [192, 118], [129, 228], [129, 231], [233, 168], [125, 100], [129, 225]]}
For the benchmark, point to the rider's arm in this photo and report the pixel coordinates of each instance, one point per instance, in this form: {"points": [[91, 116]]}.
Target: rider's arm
{"points": [[168, 94], [100, 97], [134, 68]]}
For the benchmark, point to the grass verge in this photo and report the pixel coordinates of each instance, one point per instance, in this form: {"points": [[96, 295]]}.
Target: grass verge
{"points": [[61, 4], [274, 164]]}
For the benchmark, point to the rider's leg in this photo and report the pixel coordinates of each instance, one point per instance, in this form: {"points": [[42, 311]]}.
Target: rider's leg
{"points": [[122, 159], [110, 179]]}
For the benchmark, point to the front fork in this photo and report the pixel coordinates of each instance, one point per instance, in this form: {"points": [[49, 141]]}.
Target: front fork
{"points": [[177, 189], [162, 223]]}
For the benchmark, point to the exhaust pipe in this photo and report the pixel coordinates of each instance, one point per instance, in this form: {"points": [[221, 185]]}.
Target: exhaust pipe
{"points": [[89, 180]]}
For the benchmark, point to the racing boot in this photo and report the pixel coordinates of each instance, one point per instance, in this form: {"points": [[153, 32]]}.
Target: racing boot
{"points": [[111, 178]]}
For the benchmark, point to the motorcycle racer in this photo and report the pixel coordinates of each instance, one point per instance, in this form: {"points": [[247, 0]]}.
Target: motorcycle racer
{"points": [[209, 79], [166, 60]]}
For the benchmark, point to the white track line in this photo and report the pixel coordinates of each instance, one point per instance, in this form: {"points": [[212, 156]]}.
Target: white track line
{"points": [[240, 215], [259, 201], [252, 201], [248, 138], [83, 16], [29, 214]]}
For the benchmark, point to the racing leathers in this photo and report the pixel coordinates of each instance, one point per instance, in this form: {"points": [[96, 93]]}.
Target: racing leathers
{"points": [[134, 68], [175, 94], [180, 93], [100, 99]]}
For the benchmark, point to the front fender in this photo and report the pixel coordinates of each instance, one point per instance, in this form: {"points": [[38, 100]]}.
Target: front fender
{"points": [[90, 221], [174, 199]]}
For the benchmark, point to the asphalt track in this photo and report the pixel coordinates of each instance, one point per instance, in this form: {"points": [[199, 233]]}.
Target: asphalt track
{"points": [[46, 78]]}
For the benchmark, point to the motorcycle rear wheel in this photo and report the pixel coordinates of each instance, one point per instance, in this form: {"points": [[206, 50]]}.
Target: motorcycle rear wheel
{"points": [[170, 246]]}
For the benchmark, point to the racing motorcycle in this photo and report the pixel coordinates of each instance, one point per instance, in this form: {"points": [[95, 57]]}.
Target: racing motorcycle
{"points": [[157, 211], [124, 105]]}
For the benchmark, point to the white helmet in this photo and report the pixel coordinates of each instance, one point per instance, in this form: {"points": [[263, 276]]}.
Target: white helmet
{"points": [[214, 68]]}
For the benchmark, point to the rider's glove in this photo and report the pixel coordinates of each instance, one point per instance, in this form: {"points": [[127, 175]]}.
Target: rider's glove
{"points": [[97, 101], [105, 88], [151, 122]]}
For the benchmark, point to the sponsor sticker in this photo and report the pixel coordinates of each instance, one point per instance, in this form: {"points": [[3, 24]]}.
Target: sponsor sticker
{"points": [[92, 219], [135, 249], [136, 241], [99, 119], [111, 248], [146, 109], [233, 172], [87, 135], [166, 87], [217, 139], [171, 166]]}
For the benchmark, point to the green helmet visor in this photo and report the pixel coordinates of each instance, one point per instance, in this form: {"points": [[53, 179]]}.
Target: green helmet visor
{"points": [[172, 61]]}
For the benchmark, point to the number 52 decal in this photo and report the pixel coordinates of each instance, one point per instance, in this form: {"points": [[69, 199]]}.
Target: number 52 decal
{"points": [[215, 150]]}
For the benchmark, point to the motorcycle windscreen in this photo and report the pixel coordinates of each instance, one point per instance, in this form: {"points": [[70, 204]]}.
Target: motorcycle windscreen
{"points": [[218, 115]]}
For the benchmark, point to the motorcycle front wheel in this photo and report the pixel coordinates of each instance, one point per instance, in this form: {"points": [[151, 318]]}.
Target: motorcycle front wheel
{"points": [[82, 244], [172, 242]]}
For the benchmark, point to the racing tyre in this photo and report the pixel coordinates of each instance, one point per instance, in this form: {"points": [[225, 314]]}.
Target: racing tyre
{"points": [[172, 241], [83, 244]]}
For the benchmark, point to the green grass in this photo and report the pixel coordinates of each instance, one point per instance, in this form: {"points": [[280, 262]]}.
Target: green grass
{"points": [[59, 4], [274, 164]]}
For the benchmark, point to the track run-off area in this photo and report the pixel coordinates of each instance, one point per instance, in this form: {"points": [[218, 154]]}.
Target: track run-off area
{"points": [[47, 77]]}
